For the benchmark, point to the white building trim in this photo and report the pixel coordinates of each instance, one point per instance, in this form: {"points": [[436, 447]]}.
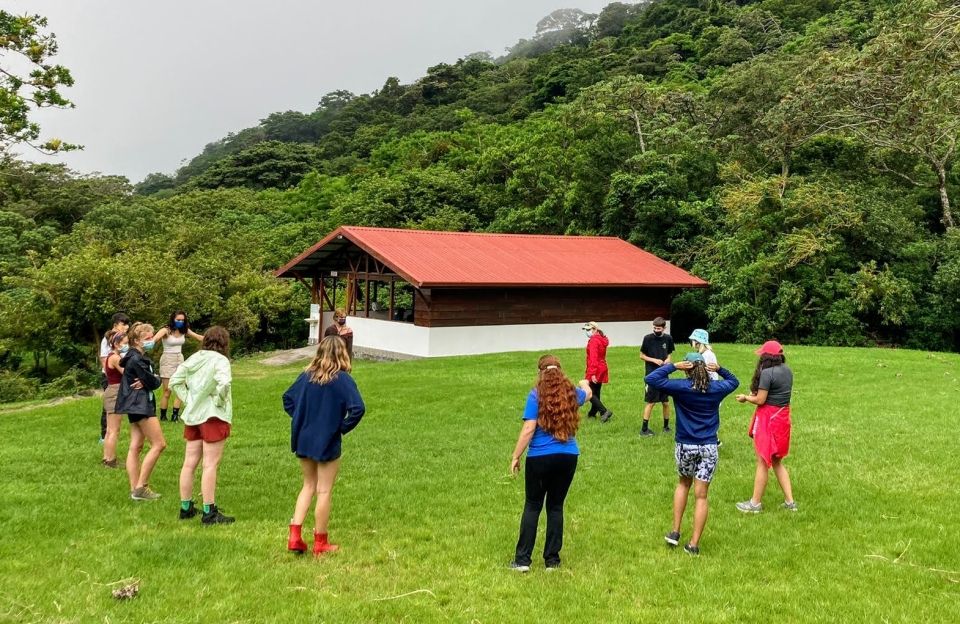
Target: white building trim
{"points": [[411, 340]]}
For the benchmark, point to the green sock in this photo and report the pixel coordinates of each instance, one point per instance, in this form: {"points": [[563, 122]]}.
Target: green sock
{"points": [[185, 505], [206, 507]]}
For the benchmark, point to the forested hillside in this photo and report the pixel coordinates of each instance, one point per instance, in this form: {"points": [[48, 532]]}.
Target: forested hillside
{"points": [[798, 154]]}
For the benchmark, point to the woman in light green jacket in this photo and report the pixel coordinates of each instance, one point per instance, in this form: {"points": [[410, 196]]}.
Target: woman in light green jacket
{"points": [[203, 383]]}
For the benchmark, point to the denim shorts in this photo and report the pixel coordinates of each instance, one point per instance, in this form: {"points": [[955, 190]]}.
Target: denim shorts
{"points": [[697, 461]]}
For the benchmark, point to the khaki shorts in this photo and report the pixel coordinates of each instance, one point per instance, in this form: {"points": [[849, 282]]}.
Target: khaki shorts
{"points": [[110, 398], [169, 363]]}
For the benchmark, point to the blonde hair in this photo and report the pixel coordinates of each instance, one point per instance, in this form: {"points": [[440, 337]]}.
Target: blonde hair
{"points": [[331, 358], [137, 331]]}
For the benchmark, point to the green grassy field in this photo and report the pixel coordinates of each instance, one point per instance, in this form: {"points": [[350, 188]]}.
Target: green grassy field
{"points": [[427, 516]]}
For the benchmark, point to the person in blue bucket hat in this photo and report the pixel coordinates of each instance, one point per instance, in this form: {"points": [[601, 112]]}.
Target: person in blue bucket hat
{"points": [[700, 341]]}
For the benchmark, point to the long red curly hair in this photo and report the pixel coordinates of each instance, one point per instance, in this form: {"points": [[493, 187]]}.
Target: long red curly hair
{"points": [[557, 412]]}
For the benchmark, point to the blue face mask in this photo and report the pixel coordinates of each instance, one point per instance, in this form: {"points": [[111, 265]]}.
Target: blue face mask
{"points": [[148, 345], [179, 324], [124, 348]]}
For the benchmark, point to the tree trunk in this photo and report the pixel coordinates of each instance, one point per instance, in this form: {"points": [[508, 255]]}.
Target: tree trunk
{"points": [[636, 120], [944, 196], [784, 170]]}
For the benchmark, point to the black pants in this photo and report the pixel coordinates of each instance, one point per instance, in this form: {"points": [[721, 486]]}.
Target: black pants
{"points": [[596, 406], [547, 476], [103, 411]]}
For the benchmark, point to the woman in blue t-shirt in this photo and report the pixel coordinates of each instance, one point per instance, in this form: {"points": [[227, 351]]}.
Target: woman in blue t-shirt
{"points": [[550, 422]]}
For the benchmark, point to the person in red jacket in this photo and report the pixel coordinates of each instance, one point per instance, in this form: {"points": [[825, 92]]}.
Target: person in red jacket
{"points": [[597, 373]]}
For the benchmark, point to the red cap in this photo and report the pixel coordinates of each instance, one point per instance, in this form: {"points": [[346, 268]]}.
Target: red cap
{"points": [[770, 347]]}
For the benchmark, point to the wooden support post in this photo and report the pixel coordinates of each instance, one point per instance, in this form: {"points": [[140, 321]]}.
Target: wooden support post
{"points": [[321, 291], [391, 299], [366, 297]]}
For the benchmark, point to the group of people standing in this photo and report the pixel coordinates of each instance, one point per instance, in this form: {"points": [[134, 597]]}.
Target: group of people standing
{"points": [[551, 419], [323, 403], [203, 382]]}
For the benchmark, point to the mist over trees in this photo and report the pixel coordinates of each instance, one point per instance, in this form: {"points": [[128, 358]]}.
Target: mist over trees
{"points": [[797, 154]]}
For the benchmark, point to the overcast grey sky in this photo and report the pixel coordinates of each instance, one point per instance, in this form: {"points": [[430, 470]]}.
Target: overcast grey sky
{"points": [[156, 81]]}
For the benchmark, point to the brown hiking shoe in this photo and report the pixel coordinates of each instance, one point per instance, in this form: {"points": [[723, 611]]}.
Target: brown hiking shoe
{"points": [[144, 494], [110, 463]]}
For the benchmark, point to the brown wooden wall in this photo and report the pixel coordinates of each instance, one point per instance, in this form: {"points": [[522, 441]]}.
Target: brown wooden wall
{"points": [[521, 306]]}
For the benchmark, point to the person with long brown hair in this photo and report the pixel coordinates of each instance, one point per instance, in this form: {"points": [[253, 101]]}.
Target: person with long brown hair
{"points": [[135, 399], [324, 404], [203, 383], [770, 391], [548, 435]]}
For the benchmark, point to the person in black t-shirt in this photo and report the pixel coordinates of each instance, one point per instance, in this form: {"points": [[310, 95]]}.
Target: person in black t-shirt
{"points": [[655, 352]]}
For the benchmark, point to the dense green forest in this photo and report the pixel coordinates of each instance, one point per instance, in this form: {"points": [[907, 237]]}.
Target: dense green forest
{"points": [[798, 154]]}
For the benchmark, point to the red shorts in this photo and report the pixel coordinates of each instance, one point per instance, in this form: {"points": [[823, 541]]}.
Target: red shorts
{"points": [[212, 430]]}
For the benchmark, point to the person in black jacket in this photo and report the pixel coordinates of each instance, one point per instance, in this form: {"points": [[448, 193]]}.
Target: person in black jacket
{"points": [[136, 400]]}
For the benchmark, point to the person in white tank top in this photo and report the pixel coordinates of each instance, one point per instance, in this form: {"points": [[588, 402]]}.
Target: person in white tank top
{"points": [[173, 336]]}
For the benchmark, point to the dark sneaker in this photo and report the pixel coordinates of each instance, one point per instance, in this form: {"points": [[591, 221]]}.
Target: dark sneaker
{"points": [[792, 506], [109, 463], [672, 538], [215, 517], [144, 494], [647, 433], [592, 415], [552, 567], [607, 415], [690, 549], [516, 567], [186, 514], [748, 506], [667, 429]]}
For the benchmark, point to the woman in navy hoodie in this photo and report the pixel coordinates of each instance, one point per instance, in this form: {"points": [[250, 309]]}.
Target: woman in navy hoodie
{"points": [[324, 404]]}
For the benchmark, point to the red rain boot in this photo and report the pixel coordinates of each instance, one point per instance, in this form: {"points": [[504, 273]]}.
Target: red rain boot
{"points": [[295, 542], [321, 545]]}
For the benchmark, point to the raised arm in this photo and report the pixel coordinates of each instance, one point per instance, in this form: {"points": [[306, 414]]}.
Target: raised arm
{"points": [[195, 335], [660, 378]]}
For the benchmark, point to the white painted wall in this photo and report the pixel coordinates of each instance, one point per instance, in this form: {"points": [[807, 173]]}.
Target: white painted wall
{"points": [[409, 339]]}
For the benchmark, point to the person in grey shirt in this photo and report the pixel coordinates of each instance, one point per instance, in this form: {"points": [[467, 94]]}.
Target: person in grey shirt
{"points": [[770, 391]]}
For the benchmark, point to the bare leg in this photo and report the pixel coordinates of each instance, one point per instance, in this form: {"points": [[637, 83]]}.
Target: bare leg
{"points": [[326, 475], [133, 454], [165, 394], [680, 501], [153, 432], [309, 468], [191, 459], [783, 478], [113, 435], [700, 489], [212, 452], [177, 403], [759, 481], [647, 410], [666, 410]]}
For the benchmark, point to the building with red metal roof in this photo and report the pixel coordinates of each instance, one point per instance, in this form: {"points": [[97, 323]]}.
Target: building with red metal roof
{"points": [[425, 293]]}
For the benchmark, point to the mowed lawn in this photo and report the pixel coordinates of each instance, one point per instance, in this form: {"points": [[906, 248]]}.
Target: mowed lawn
{"points": [[427, 516]]}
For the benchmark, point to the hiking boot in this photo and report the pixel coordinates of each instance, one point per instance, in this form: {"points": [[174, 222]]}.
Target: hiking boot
{"points": [[190, 512], [215, 517], [791, 506], [672, 538], [516, 567], [592, 415], [647, 433], [110, 463], [667, 429], [607, 415], [748, 506], [144, 494], [690, 549]]}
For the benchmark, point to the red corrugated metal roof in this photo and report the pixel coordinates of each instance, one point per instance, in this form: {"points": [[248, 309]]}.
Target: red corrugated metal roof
{"points": [[432, 259]]}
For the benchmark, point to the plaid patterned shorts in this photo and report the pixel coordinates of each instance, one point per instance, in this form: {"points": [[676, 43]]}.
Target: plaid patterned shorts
{"points": [[698, 461]]}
